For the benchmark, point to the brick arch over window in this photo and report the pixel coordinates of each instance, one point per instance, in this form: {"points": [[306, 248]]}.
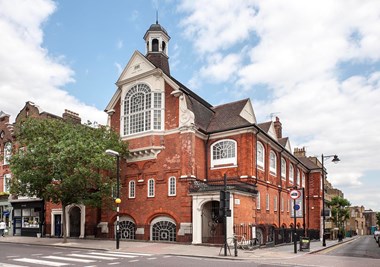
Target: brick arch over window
{"points": [[224, 153]]}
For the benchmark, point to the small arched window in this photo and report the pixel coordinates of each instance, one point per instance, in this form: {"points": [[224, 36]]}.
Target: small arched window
{"points": [[223, 153], [283, 169], [132, 189], [172, 190], [151, 188], [7, 152], [155, 45], [260, 155], [258, 201], [291, 173], [273, 162]]}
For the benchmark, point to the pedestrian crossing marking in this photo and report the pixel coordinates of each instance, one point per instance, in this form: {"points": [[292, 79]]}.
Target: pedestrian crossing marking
{"points": [[41, 262], [130, 253], [92, 257], [67, 259], [114, 254], [9, 265]]}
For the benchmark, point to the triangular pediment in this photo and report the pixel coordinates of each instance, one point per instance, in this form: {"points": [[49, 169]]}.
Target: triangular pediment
{"points": [[248, 113], [137, 65], [272, 131]]}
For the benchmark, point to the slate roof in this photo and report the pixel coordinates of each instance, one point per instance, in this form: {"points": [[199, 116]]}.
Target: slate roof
{"points": [[227, 116], [265, 126], [308, 163], [283, 141], [156, 28]]}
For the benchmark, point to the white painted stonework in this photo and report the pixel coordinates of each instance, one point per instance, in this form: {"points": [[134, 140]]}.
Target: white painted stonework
{"points": [[198, 202]]}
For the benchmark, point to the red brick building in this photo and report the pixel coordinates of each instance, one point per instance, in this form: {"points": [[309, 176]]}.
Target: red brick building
{"points": [[181, 147]]}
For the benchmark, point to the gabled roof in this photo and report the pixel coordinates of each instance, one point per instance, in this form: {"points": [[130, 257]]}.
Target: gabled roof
{"points": [[308, 163], [3, 114], [227, 116], [265, 126]]}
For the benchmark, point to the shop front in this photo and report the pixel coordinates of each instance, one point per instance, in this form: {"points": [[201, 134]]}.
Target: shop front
{"points": [[28, 217]]}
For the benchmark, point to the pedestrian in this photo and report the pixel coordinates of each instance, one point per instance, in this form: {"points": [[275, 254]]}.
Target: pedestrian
{"points": [[2, 228]]}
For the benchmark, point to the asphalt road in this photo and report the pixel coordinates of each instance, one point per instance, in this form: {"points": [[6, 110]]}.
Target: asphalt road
{"points": [[363, 247], [20, 255]]}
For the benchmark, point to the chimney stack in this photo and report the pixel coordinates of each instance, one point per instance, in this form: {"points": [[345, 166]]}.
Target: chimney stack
{"points": [[299, 152], [71, 116], [278, 127]]}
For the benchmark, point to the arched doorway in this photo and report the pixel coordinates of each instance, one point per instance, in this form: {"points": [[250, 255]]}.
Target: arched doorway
{"points": [[212, 224], [75, 221], [260, 235], [163, 229]]}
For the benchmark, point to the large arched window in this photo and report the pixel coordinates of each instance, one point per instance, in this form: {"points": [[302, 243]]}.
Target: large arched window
{"points": [[163, 229], [273, 162], [223, 153], [127, 228], [141, 114], [260, 155]]}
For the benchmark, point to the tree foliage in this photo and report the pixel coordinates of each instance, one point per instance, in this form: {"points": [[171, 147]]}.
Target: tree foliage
{"points": [[64, 162], [340, 211], [378, 219]]}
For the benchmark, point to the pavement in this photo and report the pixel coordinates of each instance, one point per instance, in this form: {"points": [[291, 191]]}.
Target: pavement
{"points": [[178, 249]]}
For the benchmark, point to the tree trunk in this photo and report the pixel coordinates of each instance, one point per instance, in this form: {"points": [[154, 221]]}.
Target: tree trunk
{"points": [[64, 223]]}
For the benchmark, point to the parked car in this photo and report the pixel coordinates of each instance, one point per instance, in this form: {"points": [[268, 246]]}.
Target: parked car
{"points": [[376, 235]]}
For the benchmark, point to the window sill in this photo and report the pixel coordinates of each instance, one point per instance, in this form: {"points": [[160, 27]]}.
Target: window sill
{"points": [[224, 166]]}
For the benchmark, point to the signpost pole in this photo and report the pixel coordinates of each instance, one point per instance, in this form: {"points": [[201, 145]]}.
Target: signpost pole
{"points": [[295, 228]]}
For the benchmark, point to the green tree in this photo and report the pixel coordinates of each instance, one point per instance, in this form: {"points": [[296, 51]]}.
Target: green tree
{"points": [[64, 162], [378, 218], [340, 211]]}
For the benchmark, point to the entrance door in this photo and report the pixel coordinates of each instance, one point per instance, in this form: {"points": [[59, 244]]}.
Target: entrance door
{"points": [[75, 222], [58, 225]]}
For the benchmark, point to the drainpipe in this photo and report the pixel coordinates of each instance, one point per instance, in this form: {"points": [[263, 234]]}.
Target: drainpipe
{"points": [[206, 156]]}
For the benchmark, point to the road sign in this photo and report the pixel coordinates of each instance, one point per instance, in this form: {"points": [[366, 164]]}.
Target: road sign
{"points": [[294, 194], [297, 207]]}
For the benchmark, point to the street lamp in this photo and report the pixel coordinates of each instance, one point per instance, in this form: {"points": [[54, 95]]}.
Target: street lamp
{"points": [[117, 200], [335, 160]]}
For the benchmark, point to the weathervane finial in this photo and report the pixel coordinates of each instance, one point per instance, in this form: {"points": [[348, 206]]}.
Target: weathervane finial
{"points": [[156, 16]]}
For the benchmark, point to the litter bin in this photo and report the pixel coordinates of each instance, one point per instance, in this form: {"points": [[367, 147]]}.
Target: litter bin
{"points": [[304, 243]]}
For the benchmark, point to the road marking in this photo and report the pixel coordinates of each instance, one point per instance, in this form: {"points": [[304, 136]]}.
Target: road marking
{"points": [[113, 263], [113, 254], [92, 257], [41, 262], [9, 265], [154, 258], [67, 259], [130, 253], [133, 260]]}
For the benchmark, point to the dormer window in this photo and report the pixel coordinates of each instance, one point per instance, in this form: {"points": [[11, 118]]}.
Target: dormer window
{"points": [[143, 110]]}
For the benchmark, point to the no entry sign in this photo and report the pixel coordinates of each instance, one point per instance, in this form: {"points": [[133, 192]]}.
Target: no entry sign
{"points": [[294, 194]]}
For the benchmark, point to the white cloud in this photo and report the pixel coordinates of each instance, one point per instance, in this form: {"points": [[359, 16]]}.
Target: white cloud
{"points": [[301, 47], [220, 68], [27, 71]]}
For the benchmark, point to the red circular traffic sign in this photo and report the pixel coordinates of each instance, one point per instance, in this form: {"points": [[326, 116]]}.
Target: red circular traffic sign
{"points": [[294, 194]]}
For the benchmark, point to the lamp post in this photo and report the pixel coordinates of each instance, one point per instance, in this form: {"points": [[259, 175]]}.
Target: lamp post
{"points": [[335, 160], [117, 200]]}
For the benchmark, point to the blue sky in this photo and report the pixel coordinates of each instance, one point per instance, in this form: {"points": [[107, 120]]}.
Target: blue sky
{"points": [[317, 70]]}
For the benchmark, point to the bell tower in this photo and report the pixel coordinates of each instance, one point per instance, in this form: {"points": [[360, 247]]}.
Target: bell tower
{"points": [[156, 41]]}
